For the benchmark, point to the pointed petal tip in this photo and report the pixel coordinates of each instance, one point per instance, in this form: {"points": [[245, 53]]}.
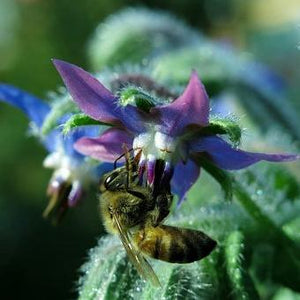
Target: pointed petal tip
{"points": [[57, 62], [224, 156], [94, 99], [284, 157], [196, 82], [194, 74], [190, 108], [62, 66], [66, 69]]}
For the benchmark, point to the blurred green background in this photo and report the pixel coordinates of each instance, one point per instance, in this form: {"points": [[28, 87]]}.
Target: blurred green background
{"points": [[39, 261]]}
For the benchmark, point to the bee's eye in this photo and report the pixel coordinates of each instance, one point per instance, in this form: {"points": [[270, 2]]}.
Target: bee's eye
{"points": [[107, 180], [111, 181]]}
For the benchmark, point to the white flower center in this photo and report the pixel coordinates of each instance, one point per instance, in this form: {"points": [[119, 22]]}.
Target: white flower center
{"points": [[155, 145], [67, 168]]}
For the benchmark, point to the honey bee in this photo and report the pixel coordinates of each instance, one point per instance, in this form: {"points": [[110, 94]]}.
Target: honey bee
{"points": [[135, 212]]}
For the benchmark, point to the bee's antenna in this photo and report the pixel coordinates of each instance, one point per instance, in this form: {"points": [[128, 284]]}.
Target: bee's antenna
{"points": [[122, 155]]}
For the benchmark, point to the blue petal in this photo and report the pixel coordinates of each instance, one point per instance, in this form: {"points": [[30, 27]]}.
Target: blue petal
{"points": [[185, 175], [33, 107], [226, 157], [52, 141], [69, 140]]}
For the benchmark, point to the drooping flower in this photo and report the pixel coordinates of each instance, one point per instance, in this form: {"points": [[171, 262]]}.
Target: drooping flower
{"points": [[175, 133], [72, 172]]}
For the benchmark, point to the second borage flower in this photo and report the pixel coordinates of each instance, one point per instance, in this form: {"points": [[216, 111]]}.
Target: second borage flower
{"points": [[177, 133]]}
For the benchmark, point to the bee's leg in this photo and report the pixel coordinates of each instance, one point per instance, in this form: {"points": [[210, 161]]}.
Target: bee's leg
{"points": [[137, 193], [163, 203], [173, 244], [128, 166], [153, 217], [160, 210]]}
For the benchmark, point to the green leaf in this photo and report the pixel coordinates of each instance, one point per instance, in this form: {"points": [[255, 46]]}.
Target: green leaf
{"points": [[287, 250], [135, 34], [240, 280], [109, 275]]}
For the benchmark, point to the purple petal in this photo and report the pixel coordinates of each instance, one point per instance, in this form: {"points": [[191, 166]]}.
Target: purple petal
{"points": [[151, 170], [75, 194], [184, 177], [141, 170], [228, 158], [33, 107], [107, 147], [192, 107], [97, 101]]}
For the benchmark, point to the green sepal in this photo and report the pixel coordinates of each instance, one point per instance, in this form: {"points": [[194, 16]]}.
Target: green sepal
{"points": [[224, 126], [138, 97], [61, 107], [77, 120]]}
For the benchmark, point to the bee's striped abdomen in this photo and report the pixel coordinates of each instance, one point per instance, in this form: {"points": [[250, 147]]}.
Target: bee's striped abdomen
{"points": [[172, 244]]}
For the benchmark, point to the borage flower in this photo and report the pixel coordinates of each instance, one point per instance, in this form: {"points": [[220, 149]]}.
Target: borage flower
{"points": [[175, 133], [72, 172]]}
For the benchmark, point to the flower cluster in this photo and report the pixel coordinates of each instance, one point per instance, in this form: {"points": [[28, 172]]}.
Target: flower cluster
{"points": [[73, 173], [177, 133]]}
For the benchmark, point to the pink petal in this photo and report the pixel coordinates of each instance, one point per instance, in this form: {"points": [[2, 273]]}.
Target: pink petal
{"points": [[192, 107], [108, 147]]}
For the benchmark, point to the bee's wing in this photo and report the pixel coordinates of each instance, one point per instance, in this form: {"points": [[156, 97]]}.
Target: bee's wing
{"points": [[136, 258]]}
